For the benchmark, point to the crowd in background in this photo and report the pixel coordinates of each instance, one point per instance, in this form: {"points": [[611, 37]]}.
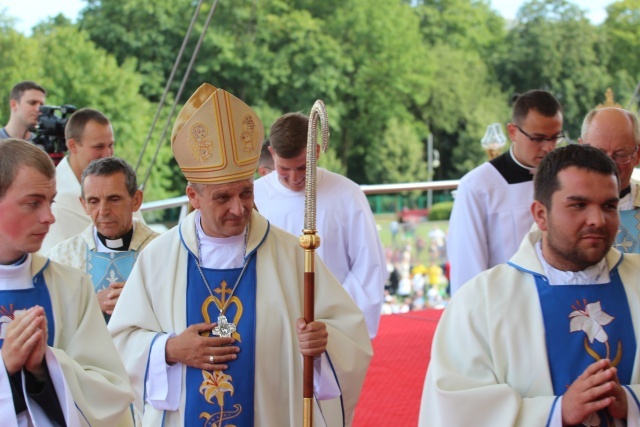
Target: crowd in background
{"points": [[418, 269]]}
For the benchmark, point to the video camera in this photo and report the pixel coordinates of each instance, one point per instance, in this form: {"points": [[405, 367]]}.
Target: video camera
{"points": [[50, 130]]}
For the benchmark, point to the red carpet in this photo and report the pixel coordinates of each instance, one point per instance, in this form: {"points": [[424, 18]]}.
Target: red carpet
{"points": [[393, 386]]}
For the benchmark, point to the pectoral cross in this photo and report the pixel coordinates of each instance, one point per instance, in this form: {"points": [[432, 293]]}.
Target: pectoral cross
{"points": [[223, 329]]}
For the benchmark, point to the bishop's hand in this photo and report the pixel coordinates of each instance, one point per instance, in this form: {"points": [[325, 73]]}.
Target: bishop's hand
{"points": [[194, 347], [312, 337]]}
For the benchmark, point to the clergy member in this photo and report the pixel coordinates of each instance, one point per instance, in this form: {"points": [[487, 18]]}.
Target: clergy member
{"points": [[351, 247], [548, 338], [108, 248], [617, 132], [490, 213], [59, 364], [210, 324]]}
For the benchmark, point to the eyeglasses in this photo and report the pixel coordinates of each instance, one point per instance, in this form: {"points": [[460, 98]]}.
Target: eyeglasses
{"points": [[540, 139], [623, 159]]}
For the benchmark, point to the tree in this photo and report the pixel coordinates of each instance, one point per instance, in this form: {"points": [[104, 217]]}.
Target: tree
{"points": [[64, 61], [622, 30], [553, 46], [387, 159]]}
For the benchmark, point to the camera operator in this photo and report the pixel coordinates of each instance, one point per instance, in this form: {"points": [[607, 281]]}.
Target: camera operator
{"points": [[25, 101]]}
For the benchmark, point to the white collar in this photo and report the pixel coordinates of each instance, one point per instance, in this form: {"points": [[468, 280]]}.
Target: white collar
{"points": [[627, 202], [593, 275], [219, 252], [117, 243], [16, 276], [531, 170]]}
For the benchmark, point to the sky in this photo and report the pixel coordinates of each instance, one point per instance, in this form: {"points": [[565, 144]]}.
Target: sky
{"points": [[30, 12]]}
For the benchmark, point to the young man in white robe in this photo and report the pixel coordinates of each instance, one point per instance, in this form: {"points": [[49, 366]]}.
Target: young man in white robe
{"points": [[490, 213], [59, 365], [351, 246], [89, 136], [617, 132], [548, 338], [210, 324], [107, 249]]}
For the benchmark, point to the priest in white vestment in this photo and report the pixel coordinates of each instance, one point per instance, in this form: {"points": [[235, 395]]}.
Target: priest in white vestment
{"points": [[107, 249], [548, 338], [617, 132], [352, 250], [210, 324], [60, 366]]}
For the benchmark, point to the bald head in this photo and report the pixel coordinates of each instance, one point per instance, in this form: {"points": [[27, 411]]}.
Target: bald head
{"points": [[616, 132]]}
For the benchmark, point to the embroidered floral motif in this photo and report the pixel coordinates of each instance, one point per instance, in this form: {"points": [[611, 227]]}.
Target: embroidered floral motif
{"points": [[216, 384], [591, 321]]}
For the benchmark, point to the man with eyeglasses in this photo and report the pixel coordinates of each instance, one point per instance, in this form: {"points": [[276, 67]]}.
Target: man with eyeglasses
{"points": [[617, 133], [491, 214]]}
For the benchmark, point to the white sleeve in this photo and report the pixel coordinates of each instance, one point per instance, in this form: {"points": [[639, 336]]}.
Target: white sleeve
{"points": [[6, 397], [164, 382], [467, 243], [325, 386], [367, 265]]}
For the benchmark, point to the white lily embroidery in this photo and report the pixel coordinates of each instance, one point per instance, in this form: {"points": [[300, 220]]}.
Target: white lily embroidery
{"points": [[591, 320], [112, 277]]}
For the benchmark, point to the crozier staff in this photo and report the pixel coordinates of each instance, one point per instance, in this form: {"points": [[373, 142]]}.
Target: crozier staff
{"points": [[210, 323]]}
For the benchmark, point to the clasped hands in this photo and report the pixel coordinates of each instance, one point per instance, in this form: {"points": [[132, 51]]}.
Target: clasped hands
{"points": [[597, 388], [25, 342]]}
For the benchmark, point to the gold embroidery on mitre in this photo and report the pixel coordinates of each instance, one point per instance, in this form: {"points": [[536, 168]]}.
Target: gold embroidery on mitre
{"points": [[248, 135], [200, 143]]}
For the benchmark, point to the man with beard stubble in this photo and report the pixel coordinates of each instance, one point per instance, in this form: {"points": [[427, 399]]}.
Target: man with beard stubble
{"points": [[548, 337]]}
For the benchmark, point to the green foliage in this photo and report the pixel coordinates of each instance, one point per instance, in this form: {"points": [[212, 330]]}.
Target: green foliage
{"points": [[440, 211], [554, 47], [74, 71], [386, 161], [390, 72]]}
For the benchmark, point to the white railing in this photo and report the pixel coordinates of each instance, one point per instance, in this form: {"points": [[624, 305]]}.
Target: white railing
{"points": [[182, 201]]}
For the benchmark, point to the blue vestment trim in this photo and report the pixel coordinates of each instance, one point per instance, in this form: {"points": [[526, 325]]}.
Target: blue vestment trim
{"points": [[226, 397], [23, 299]]}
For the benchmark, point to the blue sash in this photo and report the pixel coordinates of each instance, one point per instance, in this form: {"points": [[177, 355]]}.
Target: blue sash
{"points": [[23, 299], [576, 307], [105, 268], [628, 236], [223, 398]]}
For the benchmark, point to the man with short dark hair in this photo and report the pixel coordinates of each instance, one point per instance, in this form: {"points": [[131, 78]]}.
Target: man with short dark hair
{"points": [[265, 164], [548, 338], [490, 213], [25, 101], [59, 365], [210, 324], [617, 133], [89, 136], [351, 246], [108, 248]]}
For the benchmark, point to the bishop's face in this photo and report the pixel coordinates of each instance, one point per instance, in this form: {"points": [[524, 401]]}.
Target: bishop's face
{"points": [[225, 208]]}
